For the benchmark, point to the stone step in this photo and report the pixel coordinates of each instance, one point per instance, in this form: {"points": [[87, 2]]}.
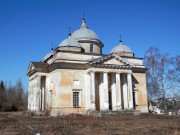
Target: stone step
{"points": [[122, 112], [108, 113]]}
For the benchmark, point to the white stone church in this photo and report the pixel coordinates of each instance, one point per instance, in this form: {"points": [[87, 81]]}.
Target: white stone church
{"points": [[76, 77]]}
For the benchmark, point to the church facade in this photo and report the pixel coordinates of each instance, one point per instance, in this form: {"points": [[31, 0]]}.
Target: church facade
{"points": [[76, 77]]}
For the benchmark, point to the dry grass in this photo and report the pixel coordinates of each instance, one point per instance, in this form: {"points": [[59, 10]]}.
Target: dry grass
{"points": [[144, 124]]}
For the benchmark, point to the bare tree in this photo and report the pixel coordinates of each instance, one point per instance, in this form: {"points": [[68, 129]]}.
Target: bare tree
{"points": [[176, 76], [10, 97], [19, 92], [158, 75], [13, 96], [2, 93], [25, 99], [151, 62]]}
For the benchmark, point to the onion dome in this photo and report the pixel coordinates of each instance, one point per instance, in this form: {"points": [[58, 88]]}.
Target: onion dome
{"points": [[84, 32]]}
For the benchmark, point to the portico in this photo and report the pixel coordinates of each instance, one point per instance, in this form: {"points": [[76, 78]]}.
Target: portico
{"points": [[38, 93], [109, 91]]}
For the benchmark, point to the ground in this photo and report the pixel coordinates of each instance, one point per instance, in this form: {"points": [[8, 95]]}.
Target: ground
{"points": [[17, 123]]}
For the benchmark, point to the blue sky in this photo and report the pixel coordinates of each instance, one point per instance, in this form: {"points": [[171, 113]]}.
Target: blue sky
{"points": [[29, 27]]}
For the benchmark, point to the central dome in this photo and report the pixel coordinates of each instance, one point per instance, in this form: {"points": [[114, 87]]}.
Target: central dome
{"points": [[84, 32]]}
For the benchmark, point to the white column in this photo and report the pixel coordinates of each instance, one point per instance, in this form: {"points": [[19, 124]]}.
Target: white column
{"points": [[125, 92], [88, 92], [101, 91], [38, 93], [52, 90], [29, 95], [130, 92], [43, 94], [118, 91], [47, 93], [33, 98], [106, 95], [113, 87], [93, 105]]}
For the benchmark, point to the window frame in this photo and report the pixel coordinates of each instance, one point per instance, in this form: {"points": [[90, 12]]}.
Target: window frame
{"points": [[79, 98]]}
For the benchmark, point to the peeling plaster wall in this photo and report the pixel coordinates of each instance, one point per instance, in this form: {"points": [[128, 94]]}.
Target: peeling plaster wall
{"points": [[140, 86], [96, 48], [75, 49], [63, 87], [74, 56]]}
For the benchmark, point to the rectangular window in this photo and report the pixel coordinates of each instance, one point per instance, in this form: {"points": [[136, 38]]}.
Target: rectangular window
{"points": [[75, 99], [91, 48]]}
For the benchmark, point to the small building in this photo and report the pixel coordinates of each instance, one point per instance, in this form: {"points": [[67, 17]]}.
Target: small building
{"points": [[157, 106], [77, 78]]}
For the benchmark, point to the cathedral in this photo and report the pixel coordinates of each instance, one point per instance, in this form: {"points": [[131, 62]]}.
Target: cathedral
{"points": [[76, 77]]}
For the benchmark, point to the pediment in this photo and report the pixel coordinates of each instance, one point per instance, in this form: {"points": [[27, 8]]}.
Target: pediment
{"points": [[30, 68], [111, 60], [37, 67], [114, 61]]}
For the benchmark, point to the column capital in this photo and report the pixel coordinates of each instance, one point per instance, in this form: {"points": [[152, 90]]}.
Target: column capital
{"points": [[91, 71], [129, 72], [37, 76], [118, 72], [88, 72], [105, 71]]}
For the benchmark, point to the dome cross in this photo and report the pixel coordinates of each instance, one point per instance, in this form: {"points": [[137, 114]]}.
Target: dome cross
{"points": [[83, 25], [69, 33], [120, 39]]}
